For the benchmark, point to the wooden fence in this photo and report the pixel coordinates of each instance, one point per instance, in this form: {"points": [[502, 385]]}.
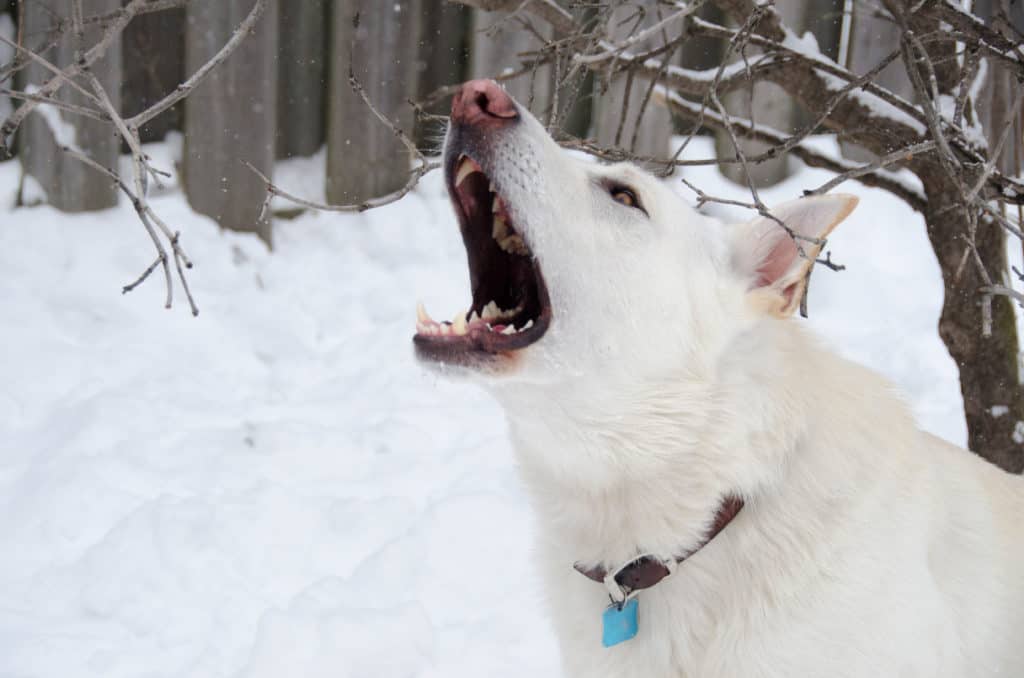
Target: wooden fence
{"points": [[286, 91]]}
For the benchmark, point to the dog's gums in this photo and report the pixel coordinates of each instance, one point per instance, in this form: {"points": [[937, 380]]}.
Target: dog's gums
{"points": [[510, 306]]}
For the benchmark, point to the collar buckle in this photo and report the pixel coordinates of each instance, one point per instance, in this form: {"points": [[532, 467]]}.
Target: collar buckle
{"points": [[627, 579]]}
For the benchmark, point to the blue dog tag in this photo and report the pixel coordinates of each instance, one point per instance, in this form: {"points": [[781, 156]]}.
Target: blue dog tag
{"points": [[619, 624]]}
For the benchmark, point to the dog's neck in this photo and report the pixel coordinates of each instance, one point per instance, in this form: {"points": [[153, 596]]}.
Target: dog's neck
{"points": [[618, 467]]}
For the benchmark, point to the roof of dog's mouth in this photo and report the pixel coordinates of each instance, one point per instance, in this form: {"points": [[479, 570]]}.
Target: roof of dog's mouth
{"points": [[510, 308]]}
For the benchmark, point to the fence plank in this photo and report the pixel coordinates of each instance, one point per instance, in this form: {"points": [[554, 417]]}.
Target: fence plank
{"points": [[231, 116], [70, 185], [768, 104], [444, 42], [1001, 88], [9, 31], [620, 117], [364, 159], [302, 78], [496, 41], [150, 73], [872, 38]]}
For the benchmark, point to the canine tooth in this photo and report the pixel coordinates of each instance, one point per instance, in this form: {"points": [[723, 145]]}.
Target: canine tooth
{"points": [[499, 230], [421, 313], [491, 311], [511, 329], [459, 324], [465, 169]]}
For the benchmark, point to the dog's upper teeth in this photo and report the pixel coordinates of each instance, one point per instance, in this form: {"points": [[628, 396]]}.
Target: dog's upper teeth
{"points": [[497, 204], [474, 317], [466, 167], [491, 188]]}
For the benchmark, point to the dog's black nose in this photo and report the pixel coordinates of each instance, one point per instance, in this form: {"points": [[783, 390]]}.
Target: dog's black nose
{"points": [[483, 102]]}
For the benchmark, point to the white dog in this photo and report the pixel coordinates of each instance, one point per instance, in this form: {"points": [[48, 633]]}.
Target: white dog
{"points": [[719, 496]]}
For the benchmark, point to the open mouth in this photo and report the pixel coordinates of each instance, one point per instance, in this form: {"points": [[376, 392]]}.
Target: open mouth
{"points": [[510, 308]]}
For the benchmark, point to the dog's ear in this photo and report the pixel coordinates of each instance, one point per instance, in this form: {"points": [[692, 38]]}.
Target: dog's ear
{"points": [[763, 250]]}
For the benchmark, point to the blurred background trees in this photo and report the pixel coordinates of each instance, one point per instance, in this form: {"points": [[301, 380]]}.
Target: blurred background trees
{"points": [[931, 86]]}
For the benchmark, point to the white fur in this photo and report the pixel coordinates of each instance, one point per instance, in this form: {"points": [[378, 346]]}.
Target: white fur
{"points": [[866, 547]]}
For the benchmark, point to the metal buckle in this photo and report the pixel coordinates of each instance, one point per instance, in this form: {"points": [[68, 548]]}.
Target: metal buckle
{"points": [[620, 595]]}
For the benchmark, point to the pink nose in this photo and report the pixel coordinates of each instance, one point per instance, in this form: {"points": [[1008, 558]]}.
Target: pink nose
{"points": [[483, 102]]}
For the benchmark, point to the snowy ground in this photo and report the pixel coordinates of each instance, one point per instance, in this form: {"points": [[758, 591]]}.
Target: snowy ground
{"points": [[275, 488]]}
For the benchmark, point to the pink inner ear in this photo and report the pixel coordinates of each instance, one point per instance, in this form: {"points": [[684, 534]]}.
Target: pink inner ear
{"points": [[777, 262]]}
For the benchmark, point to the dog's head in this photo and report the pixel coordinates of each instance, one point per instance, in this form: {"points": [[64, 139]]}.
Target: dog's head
{"points": [[578, 268]]}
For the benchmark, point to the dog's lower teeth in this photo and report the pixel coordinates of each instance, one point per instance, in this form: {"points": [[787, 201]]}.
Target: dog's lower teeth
{"points": [[459, 324], [500, 230], [514, 244], [511, 329]]}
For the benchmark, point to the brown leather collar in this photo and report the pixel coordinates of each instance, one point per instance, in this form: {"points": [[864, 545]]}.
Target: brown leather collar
{"points": [[648, 570]]}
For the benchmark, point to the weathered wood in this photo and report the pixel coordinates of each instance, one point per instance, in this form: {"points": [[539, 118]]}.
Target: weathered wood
{"points": [[443, 60], [872, 39], [302, 77], [364, 158], [621, 118], [154, 64], [9, 30], [70, 185], [1001, 87], [497, 40], [765, 103], [231, 116]]}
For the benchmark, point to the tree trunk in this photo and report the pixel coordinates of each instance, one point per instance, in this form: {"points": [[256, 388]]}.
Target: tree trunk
{"points": [[624, 115], [231, 116], [989, 367], [990, 379], [364, 159], [150, 74], [69, 184], [444, 47], [496, 41], [302, 77]]}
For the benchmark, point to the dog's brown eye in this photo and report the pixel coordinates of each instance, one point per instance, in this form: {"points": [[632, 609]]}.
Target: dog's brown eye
{"points": [[625, 196]]}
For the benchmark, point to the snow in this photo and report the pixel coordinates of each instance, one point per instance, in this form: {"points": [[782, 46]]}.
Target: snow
{"points": [[64, 133], [275, 488]]}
